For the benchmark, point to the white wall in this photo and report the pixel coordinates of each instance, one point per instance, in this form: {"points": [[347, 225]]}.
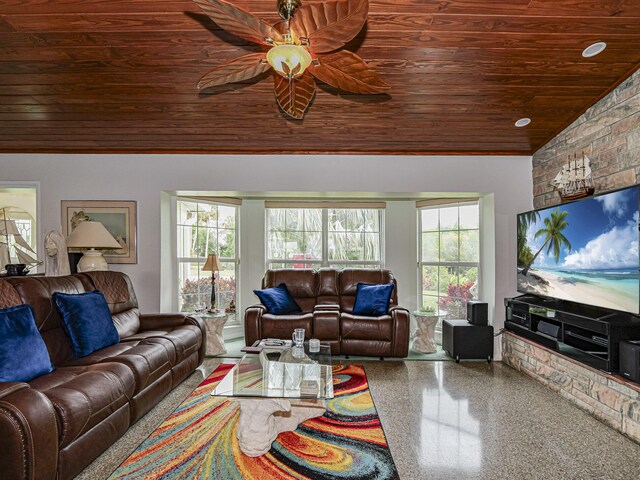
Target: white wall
{"points": [[144, 177]]}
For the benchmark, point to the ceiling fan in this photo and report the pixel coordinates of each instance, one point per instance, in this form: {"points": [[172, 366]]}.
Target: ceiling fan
{"points": [[304, 46]]}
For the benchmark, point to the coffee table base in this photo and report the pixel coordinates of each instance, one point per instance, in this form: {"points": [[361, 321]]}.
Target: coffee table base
{"points": [[262, 419]]}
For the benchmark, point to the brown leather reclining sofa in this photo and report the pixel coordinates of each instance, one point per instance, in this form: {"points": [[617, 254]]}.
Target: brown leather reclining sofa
{"points": [[56, 424], [326, 298]]}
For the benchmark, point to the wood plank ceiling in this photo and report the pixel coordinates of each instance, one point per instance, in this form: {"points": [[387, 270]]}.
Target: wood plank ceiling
{"points": [[120, 76]]}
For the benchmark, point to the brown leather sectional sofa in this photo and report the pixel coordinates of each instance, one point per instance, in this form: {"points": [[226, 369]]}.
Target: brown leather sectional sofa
{"points": [[326, 298], [56, 424]]}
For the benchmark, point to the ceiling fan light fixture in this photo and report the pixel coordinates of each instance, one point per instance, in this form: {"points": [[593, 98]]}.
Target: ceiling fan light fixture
{"points": [[289, 60]]}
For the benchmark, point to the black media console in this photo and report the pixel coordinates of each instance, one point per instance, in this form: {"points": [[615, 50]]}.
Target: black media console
{"points": [[588, 334]]}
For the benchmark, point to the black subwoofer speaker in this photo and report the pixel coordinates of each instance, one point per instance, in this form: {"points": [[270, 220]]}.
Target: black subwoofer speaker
{"points": [[630, 360], [477, 312], [462, 340]]}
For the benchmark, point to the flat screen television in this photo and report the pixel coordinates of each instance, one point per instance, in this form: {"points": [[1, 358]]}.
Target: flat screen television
{"points": [[585, 251]]}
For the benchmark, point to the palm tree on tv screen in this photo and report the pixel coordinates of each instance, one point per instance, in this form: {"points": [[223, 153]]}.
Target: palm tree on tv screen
{"points": [[524, 251], [552, 230]]}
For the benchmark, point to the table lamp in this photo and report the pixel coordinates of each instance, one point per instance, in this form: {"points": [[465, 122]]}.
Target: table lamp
{"points": [[212, 265], [92, 236]]}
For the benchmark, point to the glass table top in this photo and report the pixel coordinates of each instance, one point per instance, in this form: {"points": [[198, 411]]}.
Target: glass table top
{"points": [[281, 373]]}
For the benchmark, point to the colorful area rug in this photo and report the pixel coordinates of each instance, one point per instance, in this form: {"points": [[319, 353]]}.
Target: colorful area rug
{"points": [[198, 440]]}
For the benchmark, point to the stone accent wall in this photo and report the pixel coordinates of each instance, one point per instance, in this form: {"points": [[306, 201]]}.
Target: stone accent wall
{"points": [[609, 398], [608, 133]]}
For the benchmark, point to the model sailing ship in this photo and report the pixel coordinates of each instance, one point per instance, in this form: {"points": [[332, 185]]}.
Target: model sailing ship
{"points": [[574, 180], [14, 247]]}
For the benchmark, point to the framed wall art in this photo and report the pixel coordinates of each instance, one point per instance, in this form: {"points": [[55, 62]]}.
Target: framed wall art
{"points": [[118, 217]]}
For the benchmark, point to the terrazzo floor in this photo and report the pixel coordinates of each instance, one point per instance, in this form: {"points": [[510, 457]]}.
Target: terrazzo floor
{"points": [[457, 421]]}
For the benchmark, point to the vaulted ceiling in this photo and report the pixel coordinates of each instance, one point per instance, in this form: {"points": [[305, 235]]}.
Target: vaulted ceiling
{"points": [[120, 76]]}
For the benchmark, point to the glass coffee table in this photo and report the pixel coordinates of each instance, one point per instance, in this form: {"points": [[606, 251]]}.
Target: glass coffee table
{"points": [[277, 390]]}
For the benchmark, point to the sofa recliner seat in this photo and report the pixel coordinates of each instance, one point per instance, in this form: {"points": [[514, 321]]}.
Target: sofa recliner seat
{"points": [[56, 424], [326, 298]]}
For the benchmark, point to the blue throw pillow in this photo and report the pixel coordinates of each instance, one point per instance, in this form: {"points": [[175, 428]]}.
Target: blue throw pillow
{"points": [[372, 300], [87, 320], [23, 354], [278, 300]]}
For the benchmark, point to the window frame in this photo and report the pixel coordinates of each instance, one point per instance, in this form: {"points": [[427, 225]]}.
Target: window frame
{"points": [[233, 318], [324, 261], [447, 264]]}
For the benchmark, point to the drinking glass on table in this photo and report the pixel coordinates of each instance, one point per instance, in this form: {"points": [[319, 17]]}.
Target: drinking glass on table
{"points": [[298, 337]]}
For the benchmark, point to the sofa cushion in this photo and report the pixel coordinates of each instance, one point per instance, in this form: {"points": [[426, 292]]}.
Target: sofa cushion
{"points": [[87, 321], [121, 298], [83, 396], [356, 327], [282, 326], [37, 292], [349, 278], [372, 300], [184, 340], [148, 361], [23, 354], [278, 300], [8, 295], [302, 285]]}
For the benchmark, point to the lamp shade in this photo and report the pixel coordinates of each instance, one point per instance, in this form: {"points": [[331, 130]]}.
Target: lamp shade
{"points": [[212, 264], [91, 235]]}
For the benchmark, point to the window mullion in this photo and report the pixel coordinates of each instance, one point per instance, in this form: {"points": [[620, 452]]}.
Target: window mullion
{"points": [[325, 237]]}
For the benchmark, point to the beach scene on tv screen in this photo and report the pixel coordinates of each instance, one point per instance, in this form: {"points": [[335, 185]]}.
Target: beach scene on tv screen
{"points": [[585, 252]]}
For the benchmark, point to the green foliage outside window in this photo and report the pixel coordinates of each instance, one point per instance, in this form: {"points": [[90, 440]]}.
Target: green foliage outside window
{"points": [[296, 234]]}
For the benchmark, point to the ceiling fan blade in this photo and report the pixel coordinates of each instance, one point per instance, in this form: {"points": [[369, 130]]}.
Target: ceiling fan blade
{"points": [[329, 25], [294, 95], [238, 69], [239, 22], [347, 71]]}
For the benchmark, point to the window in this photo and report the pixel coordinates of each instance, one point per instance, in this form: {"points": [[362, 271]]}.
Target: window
{"points": [[449, 258], [316, 237], [205, 228]]}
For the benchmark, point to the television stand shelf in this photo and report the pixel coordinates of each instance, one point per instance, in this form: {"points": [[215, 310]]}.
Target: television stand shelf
{"points": [[588, 334]]}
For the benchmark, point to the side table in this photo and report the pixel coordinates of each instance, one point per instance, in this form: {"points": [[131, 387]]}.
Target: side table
{"points": [[214, 323], [425, 336]]}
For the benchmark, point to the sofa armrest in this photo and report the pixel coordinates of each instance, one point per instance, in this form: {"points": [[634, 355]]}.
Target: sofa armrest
{"points": [[253, 323], [7, 388], [151, 321], [28, 433], [326, 326], [401, 322], [327, 307]]}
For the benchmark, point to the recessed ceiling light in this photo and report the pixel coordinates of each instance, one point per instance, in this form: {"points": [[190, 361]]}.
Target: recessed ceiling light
{"points": [[594, 49], [523, 122]]}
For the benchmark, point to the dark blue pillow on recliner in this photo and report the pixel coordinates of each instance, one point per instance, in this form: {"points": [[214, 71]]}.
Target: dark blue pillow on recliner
{"points": [[372, 300], [23, 354], [278, 300], [87, 320]]}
